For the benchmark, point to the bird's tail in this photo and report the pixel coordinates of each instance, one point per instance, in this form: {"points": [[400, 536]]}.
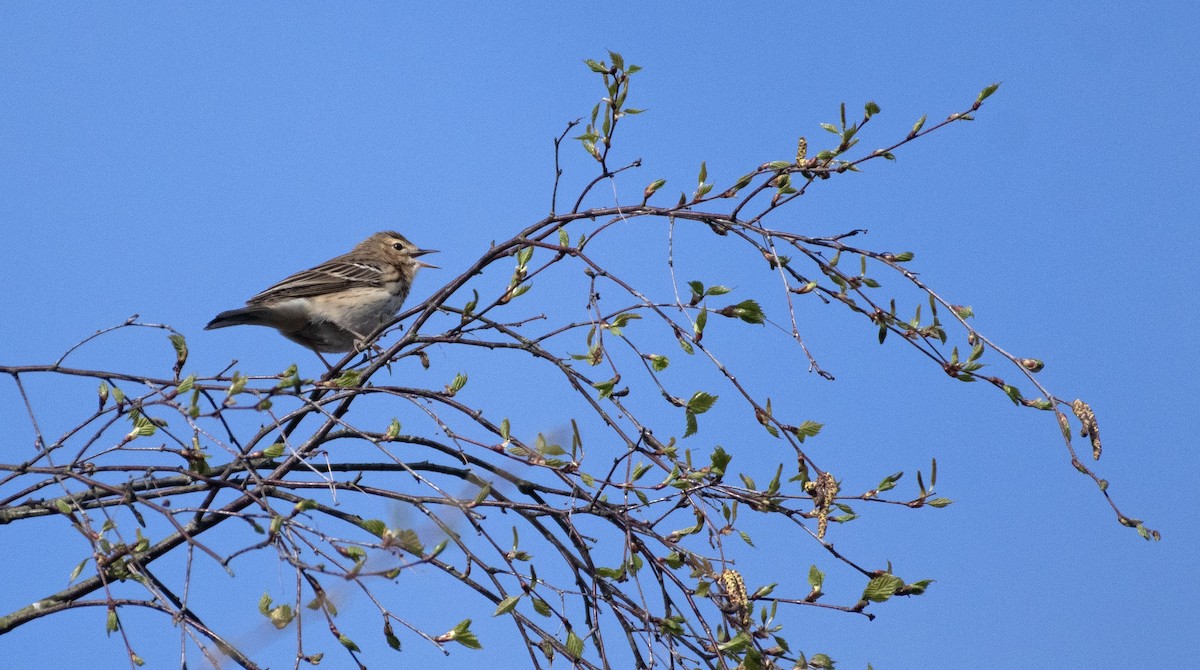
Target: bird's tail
{"points": [[243, 316]]}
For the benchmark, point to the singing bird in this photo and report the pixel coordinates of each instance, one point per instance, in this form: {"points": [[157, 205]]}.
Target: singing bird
{"points": [[334, 306]]}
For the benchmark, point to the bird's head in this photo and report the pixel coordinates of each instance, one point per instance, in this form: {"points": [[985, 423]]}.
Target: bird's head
{"points": [[397, 248]]}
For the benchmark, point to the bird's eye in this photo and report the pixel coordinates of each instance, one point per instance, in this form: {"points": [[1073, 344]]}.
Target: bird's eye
{"points": [[398, 246]]}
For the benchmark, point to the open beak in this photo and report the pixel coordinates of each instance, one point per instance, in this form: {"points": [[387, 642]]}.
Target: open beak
{"points": [[422, 252]]}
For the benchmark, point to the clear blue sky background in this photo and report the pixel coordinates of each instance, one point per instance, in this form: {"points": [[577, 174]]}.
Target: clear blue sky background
{"points": [[171, 161]]}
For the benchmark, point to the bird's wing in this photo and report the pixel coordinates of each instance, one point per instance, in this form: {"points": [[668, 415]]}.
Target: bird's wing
{"points": [[330, 277]]}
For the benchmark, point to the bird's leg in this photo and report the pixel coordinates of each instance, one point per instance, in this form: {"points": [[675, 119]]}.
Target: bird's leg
{"points": [[361, 346], [328, 367]]}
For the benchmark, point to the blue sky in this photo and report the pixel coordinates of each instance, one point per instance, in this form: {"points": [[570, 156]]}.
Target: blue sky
{"points": [[171, 161]]}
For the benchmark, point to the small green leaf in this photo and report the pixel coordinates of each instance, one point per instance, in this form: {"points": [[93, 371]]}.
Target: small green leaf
{"points": [[78, 569], [390, 636], [653, 187], [815, 577], [374, 527], [574, 645], [987, 92], [274, 451], [237, 384], [606, 387], [882, 587], [348, 643], [701, 402], [918, 126], [807, 429], [506, 605], [719, 460], [686, 346]]}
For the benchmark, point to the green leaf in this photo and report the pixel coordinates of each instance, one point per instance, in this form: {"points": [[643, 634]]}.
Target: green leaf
{"points": [[987, 92], [374, 527], [236, 384], [390, 636], [918, 588], [918, 125], [639, 471], [274, 451], [506, 605], [701, 402], [462, 634], [574, 645], [882, 587], [749, 311], [186, 385], [348, 379], [348, 643], [658, 363], [142, 426], [871, 109], [889, 482], [719, 460], [807, 429], [1013, 393], [181, 350], [606, 387], [686, 346], [653, 187], [815, 577]]}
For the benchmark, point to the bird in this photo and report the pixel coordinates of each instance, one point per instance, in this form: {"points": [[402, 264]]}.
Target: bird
{"points": [[335, 306]]}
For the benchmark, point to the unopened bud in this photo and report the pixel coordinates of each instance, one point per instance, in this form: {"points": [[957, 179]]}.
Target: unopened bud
{"points": [[1032, 364]]}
